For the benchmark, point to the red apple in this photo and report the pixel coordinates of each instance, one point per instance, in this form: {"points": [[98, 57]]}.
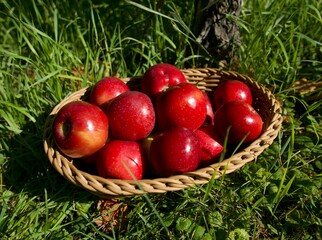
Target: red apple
{"points": [[146, 144], [159, 77], [106, 89], [121, 160], [232, 90], [242, 121], [131, 116], [174, 151], [183, 105], [80, 129], [210, 111], [210, 143], [90, 160]]}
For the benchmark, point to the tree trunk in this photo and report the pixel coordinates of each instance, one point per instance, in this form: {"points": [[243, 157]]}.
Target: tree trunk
{"points": [[215, 28]]}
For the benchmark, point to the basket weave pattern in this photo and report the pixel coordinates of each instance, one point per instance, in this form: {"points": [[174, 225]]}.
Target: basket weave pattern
{"points": [[206, 79]]}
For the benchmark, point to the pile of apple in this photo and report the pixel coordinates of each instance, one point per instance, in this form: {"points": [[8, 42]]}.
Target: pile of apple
{"points": [[167, 127]]}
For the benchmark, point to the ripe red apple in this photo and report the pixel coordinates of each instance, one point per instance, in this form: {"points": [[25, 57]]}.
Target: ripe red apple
{"points": [[210, 111], [80, 129], [106, 89], [91, 159], [210, 143], [174, 151], [241, 119], [131, 116], [121, 160], [232, 90], [183, 105], [146, 144], [159, 77]]}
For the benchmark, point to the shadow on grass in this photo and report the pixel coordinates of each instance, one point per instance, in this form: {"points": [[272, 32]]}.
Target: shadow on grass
{"points": [[28, 169]]}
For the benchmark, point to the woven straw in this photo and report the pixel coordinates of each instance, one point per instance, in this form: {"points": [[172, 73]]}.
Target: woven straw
{"points": [[206, 79]]}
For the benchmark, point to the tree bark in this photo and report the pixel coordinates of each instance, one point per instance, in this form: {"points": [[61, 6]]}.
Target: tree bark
{"points": [[215, 28]]}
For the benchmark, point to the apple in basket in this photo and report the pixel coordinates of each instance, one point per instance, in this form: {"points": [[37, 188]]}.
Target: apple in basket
{"points": [[182, 105], [239, 120], [159, 77], [211, 145], [80, 129], [232, 90], [131, 116], [106, 89], [174, 151], [210, 111], [121, 159]]}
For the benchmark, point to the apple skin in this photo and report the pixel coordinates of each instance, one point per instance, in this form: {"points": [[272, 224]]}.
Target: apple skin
{"points": [[159, 77], [211, 145], [183, 105], [91, 159], [241, 118], [106, 89], [120, 159], [210, 111], [174, 151], [145, 146], [131, 116], [232, 90], [80, 129]]}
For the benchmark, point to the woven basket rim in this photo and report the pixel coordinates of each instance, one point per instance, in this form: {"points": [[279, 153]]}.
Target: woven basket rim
{"points": [[115, 187]]}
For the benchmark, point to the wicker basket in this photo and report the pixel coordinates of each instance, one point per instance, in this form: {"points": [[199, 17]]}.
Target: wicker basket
{"points": [[206, 79]]}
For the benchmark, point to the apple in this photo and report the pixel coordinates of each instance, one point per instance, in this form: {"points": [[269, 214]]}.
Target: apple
{"points": [[91, 159], [210, 111], [131, 116], [242, 121], [174, 151], [183, 105], [231, 90], [80, 129], [121, 159], [211, 144], [145, 146], [159, 77], [106, 89], [146, 143]]}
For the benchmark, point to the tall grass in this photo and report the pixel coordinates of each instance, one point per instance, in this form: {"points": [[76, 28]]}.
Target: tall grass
{"points": [[49, 49]]}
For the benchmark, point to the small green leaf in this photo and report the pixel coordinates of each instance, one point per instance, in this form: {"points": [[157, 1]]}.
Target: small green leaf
{"points": [[261, 173], [318, 164], [273, 188], [198, 232], [278, 174], [183, 224], [2, 159], [273, 229], [168, 221], [215, 218], [238, 234], [83, 206], [207, 236]]}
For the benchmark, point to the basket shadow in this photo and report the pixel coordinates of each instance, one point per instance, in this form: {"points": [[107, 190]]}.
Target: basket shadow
{"points": [[28, 170]]}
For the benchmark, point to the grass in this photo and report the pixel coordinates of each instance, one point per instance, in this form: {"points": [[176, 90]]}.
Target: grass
{"points": [[49, 50]]}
